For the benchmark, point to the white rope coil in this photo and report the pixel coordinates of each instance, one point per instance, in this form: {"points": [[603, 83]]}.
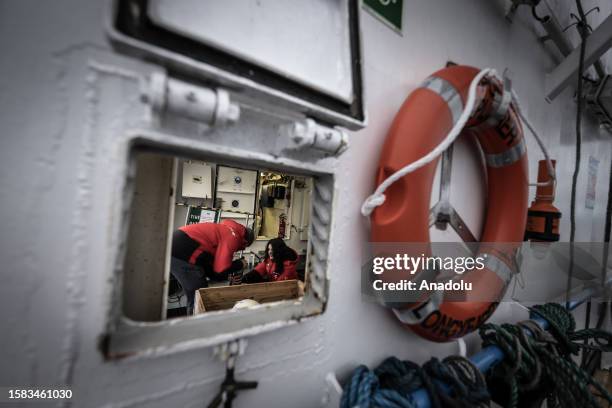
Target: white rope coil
{"points": [[378, 197]]}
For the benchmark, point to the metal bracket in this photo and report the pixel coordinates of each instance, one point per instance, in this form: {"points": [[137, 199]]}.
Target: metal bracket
{"points": [[443, 213], [229, 353], [599, 42], [417, 315], [440, 215]]}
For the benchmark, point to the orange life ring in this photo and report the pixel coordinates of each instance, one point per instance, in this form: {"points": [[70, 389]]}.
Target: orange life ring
{"points": [[422, 122]]}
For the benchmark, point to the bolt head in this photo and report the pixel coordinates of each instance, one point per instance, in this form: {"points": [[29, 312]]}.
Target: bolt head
{"points": [[191, 97]]}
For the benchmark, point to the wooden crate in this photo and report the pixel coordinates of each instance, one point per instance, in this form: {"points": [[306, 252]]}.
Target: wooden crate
{"points": [[225, 297]]}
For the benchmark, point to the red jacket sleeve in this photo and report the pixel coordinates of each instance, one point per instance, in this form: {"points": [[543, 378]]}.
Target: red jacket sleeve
{"points": [[225, 253], [289, 271], [261, 268]]}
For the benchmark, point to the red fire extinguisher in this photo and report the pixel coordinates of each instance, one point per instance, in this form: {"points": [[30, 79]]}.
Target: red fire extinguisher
{"points": [[282, 225]]}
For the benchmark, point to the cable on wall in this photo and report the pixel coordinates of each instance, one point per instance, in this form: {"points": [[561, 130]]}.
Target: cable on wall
{"points": [[581, 25]]}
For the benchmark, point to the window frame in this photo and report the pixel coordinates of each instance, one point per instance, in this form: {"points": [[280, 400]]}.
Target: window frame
{"points": [[125, 338]]}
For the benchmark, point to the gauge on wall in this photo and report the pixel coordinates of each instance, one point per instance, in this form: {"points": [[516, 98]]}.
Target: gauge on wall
{"points": [[235, 191], [302, 54]]}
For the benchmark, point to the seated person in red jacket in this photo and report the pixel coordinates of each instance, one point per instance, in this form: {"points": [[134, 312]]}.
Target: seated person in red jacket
{"points": [[279, 264], [206, 250]]}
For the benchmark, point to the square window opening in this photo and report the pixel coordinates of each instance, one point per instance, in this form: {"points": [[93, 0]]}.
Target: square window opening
{"points": [[217, 247]]}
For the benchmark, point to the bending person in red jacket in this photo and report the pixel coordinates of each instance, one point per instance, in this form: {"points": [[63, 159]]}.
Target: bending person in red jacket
{"points": [[206, 250], [279, 264]]}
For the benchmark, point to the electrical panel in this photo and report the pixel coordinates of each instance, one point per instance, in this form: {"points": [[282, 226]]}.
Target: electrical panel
{"points": [[236, 192], [197, 180], [232, 180], [236, 202]]}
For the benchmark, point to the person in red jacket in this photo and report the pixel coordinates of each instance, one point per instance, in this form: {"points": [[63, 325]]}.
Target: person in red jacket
{"points": [[279, 264], [206, 250]]}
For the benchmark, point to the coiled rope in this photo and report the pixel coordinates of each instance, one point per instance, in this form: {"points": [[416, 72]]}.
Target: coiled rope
{"points": [[391, 383], [540, 366], [534, 368]]}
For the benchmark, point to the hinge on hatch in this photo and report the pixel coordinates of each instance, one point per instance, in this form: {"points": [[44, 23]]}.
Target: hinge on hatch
{"points": [[310, 134], [212, 107]]}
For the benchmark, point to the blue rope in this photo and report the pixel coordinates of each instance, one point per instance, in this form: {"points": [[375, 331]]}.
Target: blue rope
{"points": [[534, 368], [364, 391], [390, 385]]}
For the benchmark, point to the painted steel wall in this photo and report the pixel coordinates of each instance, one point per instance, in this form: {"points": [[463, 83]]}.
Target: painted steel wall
{"points": [[66, 100]]}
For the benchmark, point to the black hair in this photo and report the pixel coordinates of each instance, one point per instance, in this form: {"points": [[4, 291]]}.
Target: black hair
{"points": [[249, 236], [281, 253]]}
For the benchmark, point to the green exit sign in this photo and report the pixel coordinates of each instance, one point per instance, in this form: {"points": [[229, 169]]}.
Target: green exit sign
{"points": [[388, 11]]}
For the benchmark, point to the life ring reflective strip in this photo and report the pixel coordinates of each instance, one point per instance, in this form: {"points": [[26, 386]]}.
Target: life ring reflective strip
{"points": [[422, 122]]}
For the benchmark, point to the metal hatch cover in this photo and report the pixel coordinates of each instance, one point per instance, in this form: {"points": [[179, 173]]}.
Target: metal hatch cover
{"points": [[303, 55]]}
